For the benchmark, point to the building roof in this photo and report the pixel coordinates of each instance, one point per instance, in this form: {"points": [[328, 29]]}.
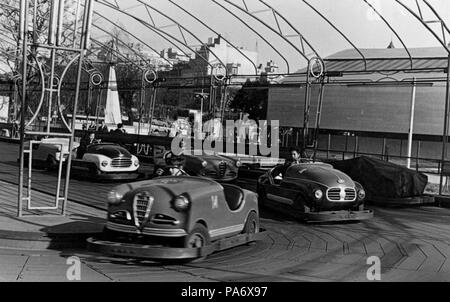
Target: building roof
{"points": [[388, 59], [431, 60]]}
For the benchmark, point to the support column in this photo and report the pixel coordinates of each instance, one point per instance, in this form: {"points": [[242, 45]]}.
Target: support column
{"points": [[411, 124], [445, 132]]}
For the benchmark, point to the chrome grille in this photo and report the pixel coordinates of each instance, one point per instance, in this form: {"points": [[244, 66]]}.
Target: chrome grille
{"points": [[341, 194], [142, 205], [222, 168], [350, 194], [121, 162]]}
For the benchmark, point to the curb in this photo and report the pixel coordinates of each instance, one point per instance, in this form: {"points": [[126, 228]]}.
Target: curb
{"points": [[443, 201], [9, 140], [424, 200], [44, 241]]}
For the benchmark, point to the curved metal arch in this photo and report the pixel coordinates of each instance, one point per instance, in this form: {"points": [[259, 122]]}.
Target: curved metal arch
{"points": [[5, 71], [101, 44], [14, 42], [258, 34], [58, 98], [104, 45], [217, 33], [187, 30], [41, 101], [7, 53], [6, 63], [424, 24], [134, 36], [159, 32], [443, 24], [339, 31], [393, 31], [302, 37], [123, 44], [276, 32], [14, 45]]}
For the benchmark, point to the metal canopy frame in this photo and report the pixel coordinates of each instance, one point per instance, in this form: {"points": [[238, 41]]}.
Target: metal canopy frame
{"points": [[50, 84], [164, 34], [417, 12], [278, 31], [244, 8], [181, 28], [217, 33]]}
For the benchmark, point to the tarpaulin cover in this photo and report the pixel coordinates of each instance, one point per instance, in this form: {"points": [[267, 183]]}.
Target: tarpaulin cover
{"points": [[383, 179]]}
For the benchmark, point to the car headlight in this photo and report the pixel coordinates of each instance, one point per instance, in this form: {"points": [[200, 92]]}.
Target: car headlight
{"points": [[114, 197], [238, 163], [204, 164], [181, 203], [318, 194], [104, 163], [136, 162], [361, 194]]}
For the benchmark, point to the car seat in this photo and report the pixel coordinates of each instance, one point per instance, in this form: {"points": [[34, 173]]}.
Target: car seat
{"points": [[278, 174], [233, 195]]}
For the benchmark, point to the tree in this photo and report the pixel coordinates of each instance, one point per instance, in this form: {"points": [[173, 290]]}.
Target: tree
{"points": [[37, 32], [128, 86], [252, 98]]}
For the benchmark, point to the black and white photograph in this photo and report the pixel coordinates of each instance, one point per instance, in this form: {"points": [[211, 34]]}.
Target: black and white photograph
{"points": [[224, 146]]}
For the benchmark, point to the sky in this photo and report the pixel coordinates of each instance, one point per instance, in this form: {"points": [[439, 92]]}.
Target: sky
{"points": [[355, 18]]}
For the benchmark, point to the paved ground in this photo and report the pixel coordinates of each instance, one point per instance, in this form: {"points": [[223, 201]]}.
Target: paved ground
{"points": [[412, 244]]}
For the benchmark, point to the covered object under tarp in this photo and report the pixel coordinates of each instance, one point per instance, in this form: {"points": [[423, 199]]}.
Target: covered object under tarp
{"points": [[383, 179]]}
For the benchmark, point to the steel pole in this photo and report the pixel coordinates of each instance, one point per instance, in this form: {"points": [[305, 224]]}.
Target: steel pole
{"points": [[24, 22], [153, 103], [411, 124], [306, 111], [74, 118], [141, 102], [445, 132]]}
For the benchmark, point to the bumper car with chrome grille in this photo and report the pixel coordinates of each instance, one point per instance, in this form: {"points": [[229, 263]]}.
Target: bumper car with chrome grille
{"points": [[314, 192], [106, 161], [177, 217], [220, 168]]}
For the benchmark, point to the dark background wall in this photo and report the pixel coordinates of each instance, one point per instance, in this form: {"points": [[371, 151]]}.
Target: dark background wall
{"points": [[363, 108]]}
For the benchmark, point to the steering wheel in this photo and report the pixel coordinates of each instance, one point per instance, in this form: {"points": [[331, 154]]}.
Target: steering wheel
{"points": [[172, 170], [176, 171], [167, 155], [307, 158]]}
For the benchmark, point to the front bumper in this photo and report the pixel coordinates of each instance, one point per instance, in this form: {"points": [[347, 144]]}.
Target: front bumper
{"points": [[332, 216], [149, 251], [117, 175], [130, 229], [146, 251]]}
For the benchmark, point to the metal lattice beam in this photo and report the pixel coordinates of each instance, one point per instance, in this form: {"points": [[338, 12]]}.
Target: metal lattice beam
{"points": [[393, 31], [254, 31], [303, 40], [277, 32], [181, 28], [134, 36], [421, 19], [163, 34], [338, 31], [217, 33]]}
